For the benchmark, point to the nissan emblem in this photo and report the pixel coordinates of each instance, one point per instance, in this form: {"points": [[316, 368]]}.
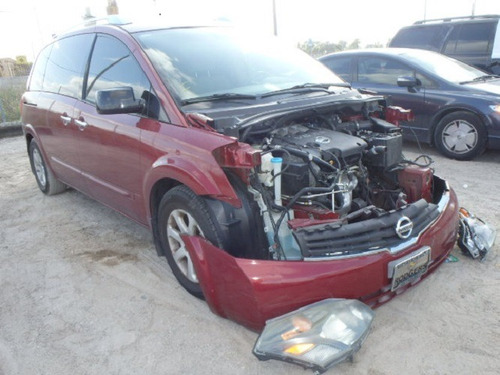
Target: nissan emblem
{"points": [[404, 227]]}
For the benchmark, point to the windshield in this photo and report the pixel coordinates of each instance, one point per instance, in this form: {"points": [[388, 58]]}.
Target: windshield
{"points": [[199, 62], [449, 69]]}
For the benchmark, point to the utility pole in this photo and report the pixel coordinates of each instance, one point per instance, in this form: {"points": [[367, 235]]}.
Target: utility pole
{"points": [[275, 24]]}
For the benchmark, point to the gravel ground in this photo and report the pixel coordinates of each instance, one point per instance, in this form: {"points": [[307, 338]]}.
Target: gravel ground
{"points": [[82, 291]]}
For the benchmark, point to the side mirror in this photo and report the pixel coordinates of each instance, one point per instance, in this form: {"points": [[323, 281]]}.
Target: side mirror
{"points": [[408, 82], [118, 100]]}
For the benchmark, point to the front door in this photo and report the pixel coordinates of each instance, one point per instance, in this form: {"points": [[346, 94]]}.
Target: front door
{"points": [[110, 145]]}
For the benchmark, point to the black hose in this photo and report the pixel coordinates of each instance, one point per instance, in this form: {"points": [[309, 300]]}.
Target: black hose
{"points": [[312, 190]]}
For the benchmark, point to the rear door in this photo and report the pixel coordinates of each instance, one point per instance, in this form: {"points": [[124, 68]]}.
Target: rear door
{"points": [[110, 145], [60, 86]]}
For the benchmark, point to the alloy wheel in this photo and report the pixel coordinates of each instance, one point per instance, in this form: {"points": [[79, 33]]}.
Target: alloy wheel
{"points": [[182, 222], [39, 168]]}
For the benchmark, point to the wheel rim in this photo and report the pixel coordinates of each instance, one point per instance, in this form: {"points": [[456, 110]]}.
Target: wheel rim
{"points": [[39, 168], [460, 137], [182, 222]]}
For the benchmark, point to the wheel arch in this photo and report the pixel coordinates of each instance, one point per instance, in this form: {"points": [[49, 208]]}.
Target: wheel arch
{"points": [[448, 110], [167, 173]]}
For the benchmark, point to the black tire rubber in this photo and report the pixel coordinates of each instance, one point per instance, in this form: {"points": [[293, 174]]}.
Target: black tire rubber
{"points": [[51, 185], [183, 198], [470, 119]]}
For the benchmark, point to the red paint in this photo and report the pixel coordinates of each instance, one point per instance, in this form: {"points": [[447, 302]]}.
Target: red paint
{"points": [[395, 114], [416, 182], [252, 291]]}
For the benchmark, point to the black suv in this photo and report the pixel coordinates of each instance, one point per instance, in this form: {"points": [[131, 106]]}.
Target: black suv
{"points": [[474, 40]]}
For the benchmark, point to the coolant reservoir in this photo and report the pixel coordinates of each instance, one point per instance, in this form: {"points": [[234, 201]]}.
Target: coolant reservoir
{"points": [[266, 174]]}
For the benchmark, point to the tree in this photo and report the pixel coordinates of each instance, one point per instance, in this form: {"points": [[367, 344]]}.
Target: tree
{"points": [[317, 49], [112, 7], [21, 59], [22, 67]]}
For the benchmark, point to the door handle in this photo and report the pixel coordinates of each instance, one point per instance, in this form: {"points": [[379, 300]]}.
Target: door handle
{"points": [[81, 124], [65, 119]]}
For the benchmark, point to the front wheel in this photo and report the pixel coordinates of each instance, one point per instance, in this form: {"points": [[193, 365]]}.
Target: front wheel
{"points": [[180, 212], [45, 179], [460, 135]]}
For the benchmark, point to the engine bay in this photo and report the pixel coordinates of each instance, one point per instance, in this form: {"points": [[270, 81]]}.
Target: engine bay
{"points": [[325, 171], [320, 167]]}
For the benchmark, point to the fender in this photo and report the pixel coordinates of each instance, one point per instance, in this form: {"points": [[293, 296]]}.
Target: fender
{"points": [[204, 177]]}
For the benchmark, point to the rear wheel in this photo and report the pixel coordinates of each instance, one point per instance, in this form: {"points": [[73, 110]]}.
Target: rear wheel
{"points": [[460, 135], [181, 211], [45, 179]]}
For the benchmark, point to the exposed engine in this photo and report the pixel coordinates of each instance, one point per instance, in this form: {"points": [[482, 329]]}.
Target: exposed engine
{"points": [[315, 171], [330, 169], [317, 158]]}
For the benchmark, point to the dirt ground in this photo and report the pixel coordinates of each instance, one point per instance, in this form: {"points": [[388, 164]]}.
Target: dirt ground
{"points": [[82, 291]]}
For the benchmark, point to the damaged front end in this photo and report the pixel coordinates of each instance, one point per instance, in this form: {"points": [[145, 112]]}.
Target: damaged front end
{"points": [[337, 212]]}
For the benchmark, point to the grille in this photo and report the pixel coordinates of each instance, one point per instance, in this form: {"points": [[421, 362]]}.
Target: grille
{"points": [[338, 239]]}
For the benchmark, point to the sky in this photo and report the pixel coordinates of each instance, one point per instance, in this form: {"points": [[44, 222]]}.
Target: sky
{"points": [[27, 25]]}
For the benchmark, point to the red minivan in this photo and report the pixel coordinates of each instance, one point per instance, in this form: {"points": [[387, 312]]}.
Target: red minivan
{"points": [[268, 183]]}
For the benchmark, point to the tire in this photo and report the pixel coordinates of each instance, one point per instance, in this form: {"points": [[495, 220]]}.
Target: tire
{"points": [[45, 179], [181, 211], [460, 135]]}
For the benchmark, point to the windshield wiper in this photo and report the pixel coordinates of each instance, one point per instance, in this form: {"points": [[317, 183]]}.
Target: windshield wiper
{"points": [[484, 78], [307, 87], [216, 97]]}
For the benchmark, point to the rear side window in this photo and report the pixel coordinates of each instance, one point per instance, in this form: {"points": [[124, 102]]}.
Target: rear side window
{"points": [[113, 65], [38, 73], [471, 39], [66, 65], [429, 37], [340, 66]]}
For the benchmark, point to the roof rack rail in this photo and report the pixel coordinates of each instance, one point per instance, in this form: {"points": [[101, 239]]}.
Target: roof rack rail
{"points": [[450, 19], [108, 20]]}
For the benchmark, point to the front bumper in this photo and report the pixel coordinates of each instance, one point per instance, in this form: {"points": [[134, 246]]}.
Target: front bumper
{"points": [[253, 291]]}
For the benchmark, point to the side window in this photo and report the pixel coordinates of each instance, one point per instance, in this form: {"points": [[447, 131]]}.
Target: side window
{"points": [[340, 66], [36, 81], [113, 65], [66, 65], [470, 39], [429, 37], [426, 81], [381, 71]]}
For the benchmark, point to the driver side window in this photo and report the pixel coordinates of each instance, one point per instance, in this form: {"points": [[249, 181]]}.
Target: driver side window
{"points": [[382, 71], [113, 65]]}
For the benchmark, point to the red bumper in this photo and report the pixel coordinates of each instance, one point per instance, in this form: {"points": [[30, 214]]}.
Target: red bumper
{"points": [[253, 291]]}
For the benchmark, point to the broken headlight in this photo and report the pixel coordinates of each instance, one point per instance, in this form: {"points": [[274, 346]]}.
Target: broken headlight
{"points": [[475, 237], [316, 336]]}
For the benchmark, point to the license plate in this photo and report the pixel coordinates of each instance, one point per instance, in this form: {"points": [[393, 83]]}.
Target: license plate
{"points": [[410, 268]]}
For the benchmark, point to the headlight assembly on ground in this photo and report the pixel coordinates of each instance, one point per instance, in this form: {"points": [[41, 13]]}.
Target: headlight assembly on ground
{"points": [[476, 237], [316, 336]]}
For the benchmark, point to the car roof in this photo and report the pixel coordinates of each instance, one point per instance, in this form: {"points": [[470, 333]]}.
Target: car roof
{"points": [[399, 52], [464, 19], [117, 22]]}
